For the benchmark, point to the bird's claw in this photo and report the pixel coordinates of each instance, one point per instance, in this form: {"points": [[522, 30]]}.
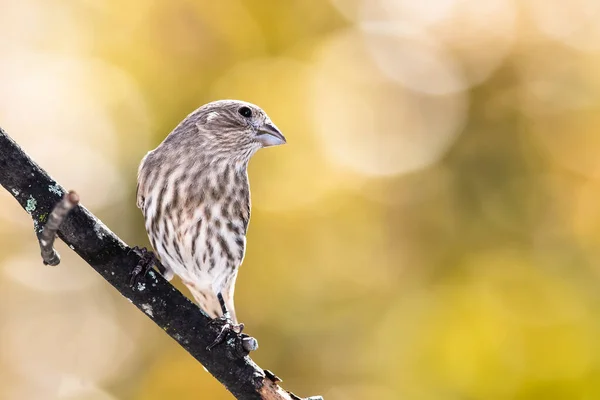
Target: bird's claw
{"points": [[147, 260], [228, 326]]}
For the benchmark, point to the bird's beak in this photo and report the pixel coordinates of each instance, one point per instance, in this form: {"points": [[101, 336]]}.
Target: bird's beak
{"points": [[269, 135]]}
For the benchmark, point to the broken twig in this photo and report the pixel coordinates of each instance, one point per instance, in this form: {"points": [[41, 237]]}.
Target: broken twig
{"points": [[46, 238]]}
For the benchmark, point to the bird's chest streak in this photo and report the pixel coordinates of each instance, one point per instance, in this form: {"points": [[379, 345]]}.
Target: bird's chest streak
{"points": [[206, 244]]}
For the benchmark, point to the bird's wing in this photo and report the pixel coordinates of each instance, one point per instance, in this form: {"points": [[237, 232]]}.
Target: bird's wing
{"points": [[139, 191], [139, 197]]}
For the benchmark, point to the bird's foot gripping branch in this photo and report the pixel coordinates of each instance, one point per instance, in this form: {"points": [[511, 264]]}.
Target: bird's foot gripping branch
{"points": [[56, 212]]}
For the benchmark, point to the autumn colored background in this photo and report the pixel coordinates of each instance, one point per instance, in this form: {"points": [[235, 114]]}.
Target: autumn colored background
{"points": [[430, 231]]}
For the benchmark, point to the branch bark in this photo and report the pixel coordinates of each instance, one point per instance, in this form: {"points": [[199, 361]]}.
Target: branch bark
{"points": [[38, 194]]}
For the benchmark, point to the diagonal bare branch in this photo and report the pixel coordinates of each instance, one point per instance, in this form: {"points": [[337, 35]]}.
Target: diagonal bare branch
{"points": [[39, 194]]}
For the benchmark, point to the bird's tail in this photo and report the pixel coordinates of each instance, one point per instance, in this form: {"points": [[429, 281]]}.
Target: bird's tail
{"points": [[208, 301]]}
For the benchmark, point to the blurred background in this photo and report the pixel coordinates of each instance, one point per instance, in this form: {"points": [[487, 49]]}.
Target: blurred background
{"points": [[431, 230]]}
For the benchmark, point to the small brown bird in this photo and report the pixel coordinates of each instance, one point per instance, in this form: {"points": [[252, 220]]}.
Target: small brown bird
{"points": [[194, 193]]}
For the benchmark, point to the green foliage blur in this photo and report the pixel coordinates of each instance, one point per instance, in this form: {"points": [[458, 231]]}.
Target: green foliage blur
{"points": [[430, 231]]}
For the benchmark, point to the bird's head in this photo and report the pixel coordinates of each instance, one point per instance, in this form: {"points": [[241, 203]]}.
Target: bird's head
{"points": [[229, 129]]}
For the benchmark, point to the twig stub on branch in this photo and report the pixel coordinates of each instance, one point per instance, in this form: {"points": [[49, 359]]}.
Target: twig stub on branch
{"points": [[46, 238]]}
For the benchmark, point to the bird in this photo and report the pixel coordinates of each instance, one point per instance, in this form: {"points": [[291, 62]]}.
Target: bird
{"points": [[194, 193]]}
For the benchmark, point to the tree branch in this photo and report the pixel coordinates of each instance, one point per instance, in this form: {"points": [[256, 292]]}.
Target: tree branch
{"points": [[39, 195]]}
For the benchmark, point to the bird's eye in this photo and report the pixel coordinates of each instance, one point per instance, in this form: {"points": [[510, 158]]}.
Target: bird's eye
{"points": [[245, 112]]}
